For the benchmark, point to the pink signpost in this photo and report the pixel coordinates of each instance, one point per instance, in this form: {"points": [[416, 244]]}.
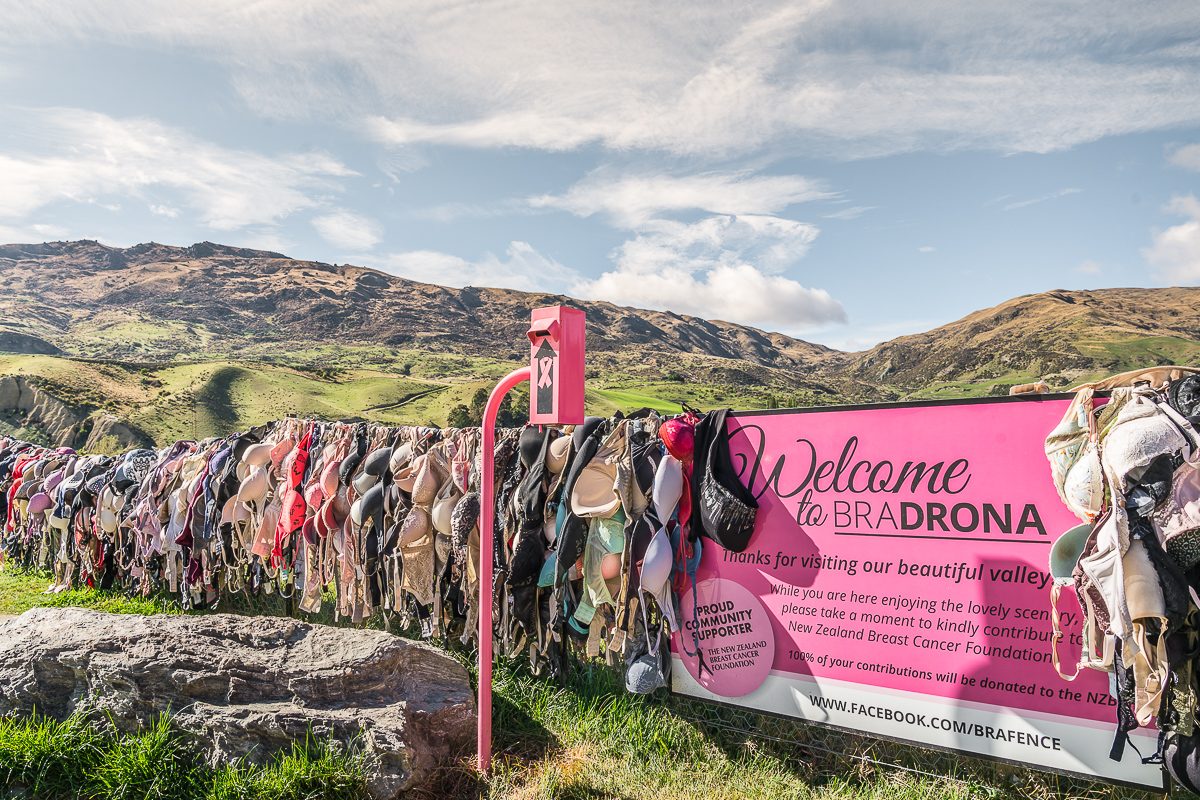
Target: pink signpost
{"points": [[897, 584], [555, 371]]}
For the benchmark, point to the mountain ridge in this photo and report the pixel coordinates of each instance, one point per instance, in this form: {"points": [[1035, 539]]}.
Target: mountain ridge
{"points": [[361, 304], [155, 334]]}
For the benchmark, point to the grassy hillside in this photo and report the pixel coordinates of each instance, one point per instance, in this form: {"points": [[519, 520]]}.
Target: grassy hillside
{"points": [[204, 339], [1062, 337], [197, 399]]}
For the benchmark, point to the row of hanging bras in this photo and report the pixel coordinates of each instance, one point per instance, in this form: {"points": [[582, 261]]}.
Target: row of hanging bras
{"points": [[592, 544]]}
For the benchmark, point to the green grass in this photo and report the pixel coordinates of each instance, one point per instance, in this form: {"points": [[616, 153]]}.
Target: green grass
{"points": [[627, 400], [134, 335], [589, 738], [583, 738], [666, 397], [214, 396], [21, 591], [1130, 352], [77, 758]]}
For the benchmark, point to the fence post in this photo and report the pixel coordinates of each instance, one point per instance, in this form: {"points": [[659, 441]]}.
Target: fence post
{"points": [[487, 523]]}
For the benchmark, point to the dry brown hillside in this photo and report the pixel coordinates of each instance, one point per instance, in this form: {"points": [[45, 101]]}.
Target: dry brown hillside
{"points": [[1061, 335], [232, 296], [155, 303]]}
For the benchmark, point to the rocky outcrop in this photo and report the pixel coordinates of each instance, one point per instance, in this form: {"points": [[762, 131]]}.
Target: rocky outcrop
{"points": [[111, 434], [28, 407], [246, 687], [26, 344]]}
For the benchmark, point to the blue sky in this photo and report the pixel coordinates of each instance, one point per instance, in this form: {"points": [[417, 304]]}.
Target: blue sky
{"points": [[844, 172]]}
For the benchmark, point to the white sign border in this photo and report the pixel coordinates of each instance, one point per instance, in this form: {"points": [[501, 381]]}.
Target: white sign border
{"points": [[788, 695]]}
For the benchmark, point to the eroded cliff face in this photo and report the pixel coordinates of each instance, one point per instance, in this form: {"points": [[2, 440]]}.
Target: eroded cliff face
{"points": [[40, 415]]}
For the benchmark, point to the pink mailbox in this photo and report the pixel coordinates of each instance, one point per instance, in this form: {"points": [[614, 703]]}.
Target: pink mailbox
{"points": [[556, 345]]}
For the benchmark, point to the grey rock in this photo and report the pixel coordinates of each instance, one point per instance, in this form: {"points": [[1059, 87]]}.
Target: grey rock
{"points": [[248, 687]]}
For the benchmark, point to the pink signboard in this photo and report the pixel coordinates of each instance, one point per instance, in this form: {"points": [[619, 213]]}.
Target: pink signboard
{"points": [[897, 584]]}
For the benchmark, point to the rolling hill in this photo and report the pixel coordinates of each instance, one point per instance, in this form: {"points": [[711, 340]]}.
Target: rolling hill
{"points": [[105, 302], [1062, 337], [103, 345]]}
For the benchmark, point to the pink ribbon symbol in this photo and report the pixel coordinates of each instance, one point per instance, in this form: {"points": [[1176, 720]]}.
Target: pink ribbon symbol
{"points": [[545, 367]]}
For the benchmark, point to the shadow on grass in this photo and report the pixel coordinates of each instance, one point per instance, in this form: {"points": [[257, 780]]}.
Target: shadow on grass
{"points": [[517, 733]]}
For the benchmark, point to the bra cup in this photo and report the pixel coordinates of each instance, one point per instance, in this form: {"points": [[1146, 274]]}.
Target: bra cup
{"points": [[108, 520], [329, 478], [610, 566], [425, 485], [400, 458], [1083, 487], [296, 467], [229, 511], [416, 526], [340, 508], [656, 566], [406, 479], [280, 451], [376, 462], [668, 487], [334, 513], [40, 503], [443, 507], [372, 505], [655, 575], [53, 480], [254, 488], [364, 482], [257, 455]]}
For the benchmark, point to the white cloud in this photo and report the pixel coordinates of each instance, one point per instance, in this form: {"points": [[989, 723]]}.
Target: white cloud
{"points": [[1174, 253], [926, 248], [851, 78], [721, 267], [264, 238], [631, 200], [1041, 198], [771, 243], [731, 292], [30, 234], [349, 230], [859, 336], [1186, 156], [522, 267], [1090, 267], [850, 212], [162, 210], [450, 212], [71, 155]]}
